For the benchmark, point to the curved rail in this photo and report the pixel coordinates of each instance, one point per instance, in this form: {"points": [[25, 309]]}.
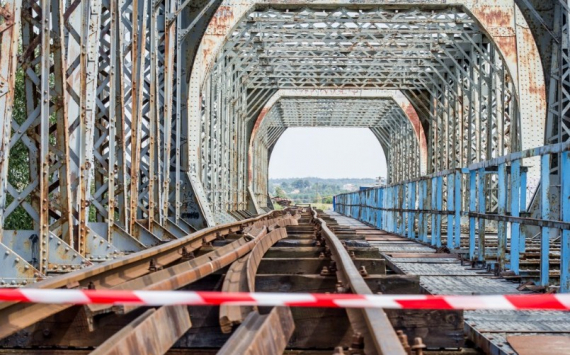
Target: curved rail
{"points": [[17, 316], [372, 323], [241, 278]]}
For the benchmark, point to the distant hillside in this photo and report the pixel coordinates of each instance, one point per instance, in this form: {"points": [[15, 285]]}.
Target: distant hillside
{"points": [[313, 189], [313, 180]]}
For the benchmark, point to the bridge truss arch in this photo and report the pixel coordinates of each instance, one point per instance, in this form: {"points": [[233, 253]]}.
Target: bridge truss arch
{"points": [[465, 67], [387, 113], [111, 104]]}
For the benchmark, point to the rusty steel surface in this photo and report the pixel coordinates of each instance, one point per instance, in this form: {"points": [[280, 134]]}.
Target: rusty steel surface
{"points": [[241, 278], [152, 333], [135, 132], [549, 344], [136, 120], [379, 329], [15, 317], [261, 334]]}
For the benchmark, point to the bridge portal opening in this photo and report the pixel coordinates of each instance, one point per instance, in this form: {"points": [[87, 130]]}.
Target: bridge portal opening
{"points": [[327, 160]]}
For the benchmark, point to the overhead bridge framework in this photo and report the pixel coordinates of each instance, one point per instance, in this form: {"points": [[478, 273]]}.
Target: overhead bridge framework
{"points": [[129, 123], [389, 115]]}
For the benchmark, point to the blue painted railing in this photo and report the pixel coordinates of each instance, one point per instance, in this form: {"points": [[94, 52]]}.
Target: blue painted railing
{"points": [[462, 195]]}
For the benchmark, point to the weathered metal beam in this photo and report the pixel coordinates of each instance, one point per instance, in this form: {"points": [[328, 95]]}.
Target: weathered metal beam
{"points": [[379, 335], [241, 278], [152, 333], [262, 334], [17, 316]]}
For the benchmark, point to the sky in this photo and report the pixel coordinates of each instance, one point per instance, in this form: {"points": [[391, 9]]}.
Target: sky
{"points": [[334, 153]]}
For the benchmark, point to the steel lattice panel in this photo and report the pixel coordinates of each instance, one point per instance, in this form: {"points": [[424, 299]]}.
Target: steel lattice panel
{"points": [[518, 321], [436, 269], [467, 285], [423, 260], [399, 248]]}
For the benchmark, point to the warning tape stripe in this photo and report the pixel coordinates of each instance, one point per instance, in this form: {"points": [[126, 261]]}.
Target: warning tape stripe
{"points": [[559, 302]]}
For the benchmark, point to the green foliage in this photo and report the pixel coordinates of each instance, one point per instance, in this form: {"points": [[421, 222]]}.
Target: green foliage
{"points": [[318, 198], [19, 163], [313, 190], [301, 184], [280, 193]]}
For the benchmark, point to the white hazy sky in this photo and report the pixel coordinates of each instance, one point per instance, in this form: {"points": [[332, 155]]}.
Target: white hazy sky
{"points": [[336, 153]]}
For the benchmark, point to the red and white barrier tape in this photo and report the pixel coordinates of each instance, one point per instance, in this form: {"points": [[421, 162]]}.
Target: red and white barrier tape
{"points": [[560, 302]]}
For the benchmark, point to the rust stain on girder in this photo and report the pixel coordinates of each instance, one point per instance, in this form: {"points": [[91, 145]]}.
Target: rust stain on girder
{"points": [[536, 87], [491, 13], [221, 21]]}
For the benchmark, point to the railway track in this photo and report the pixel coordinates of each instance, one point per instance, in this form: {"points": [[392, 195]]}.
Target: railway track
{"points": [[297, 250]]}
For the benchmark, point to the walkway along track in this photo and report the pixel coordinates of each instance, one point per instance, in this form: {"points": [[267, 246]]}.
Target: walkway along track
{"points": [[293, 251]]}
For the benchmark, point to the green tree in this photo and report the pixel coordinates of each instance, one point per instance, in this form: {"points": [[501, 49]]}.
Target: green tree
{"points": [[318, 198], [279, 192]]}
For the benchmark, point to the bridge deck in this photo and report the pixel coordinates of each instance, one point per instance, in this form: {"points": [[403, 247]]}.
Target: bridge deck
{"points": [[442, 273]]}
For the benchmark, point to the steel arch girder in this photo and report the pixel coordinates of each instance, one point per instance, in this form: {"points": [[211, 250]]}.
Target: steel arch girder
{"points": [[395, 95], [497, 20]]}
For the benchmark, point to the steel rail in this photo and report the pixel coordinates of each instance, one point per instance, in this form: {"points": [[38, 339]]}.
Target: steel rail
{"points": [[380, 330], [241, 278], [17, 316]]}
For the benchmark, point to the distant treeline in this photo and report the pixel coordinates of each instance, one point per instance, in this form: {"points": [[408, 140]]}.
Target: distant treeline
{"points": [[312, 189]]}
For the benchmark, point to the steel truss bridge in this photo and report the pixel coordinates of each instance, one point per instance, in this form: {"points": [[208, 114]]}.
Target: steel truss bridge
{"points": [[127, 124]]}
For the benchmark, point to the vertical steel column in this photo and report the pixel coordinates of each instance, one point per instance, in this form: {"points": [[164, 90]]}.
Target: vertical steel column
{"points": [[472, 208], [138, 51], [439, 208], [65, 222], [117, 168], [423, 216], [169, 56], [458, 198], [502, 210], [450, 208], [412, 215], [515, 212], [482, 208], [433, 205], [544, 214], [523, 207], [44, 137], [565, 214]]}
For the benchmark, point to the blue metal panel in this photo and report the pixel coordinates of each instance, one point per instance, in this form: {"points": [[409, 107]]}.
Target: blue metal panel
{"points": [[544, 214], [450, 207], [565, 212], [457, 226], [433, 207], [397, 204], [412, 206], [523, 207], [502, 210], [515, 212], [472, 208], [425, 217], [482, 208], [393, 208], [334, 204], [421, 206], [439, 209]]}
